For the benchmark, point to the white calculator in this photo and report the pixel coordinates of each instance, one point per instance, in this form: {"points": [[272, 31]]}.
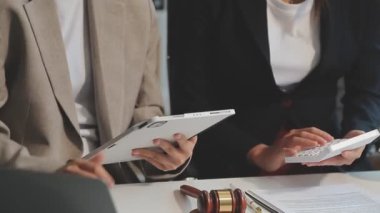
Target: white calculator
{"points": [[333, 148]]}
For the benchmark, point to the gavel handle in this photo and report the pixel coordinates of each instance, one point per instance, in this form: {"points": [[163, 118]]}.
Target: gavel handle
{"points": [[190, 191]]}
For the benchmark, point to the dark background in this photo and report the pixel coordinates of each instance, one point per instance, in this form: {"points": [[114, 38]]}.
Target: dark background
{"points": [[160, 4]]}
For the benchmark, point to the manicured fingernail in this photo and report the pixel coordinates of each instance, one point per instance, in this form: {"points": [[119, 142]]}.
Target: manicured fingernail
{"points": [[135, 152], [156, 142], [177, 136]]}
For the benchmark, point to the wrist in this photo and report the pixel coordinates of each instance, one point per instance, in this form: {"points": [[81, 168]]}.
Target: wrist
{"points": [[268, 158], [256, 153]]}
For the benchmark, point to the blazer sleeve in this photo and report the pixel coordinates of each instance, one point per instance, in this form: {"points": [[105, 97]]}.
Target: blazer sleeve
{"points": [[362, 99], [12, 154], [149, 101], [189, 83]]}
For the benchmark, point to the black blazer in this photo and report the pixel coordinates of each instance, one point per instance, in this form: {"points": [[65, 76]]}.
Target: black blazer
{"points": [[225, 63]]}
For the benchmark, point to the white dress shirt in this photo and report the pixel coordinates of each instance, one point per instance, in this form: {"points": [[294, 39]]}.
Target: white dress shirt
{"points": [[293, 31], [73, 21]]}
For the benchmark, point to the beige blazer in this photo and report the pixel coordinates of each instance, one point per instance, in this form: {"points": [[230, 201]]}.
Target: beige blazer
{"points": [[38, 124]]}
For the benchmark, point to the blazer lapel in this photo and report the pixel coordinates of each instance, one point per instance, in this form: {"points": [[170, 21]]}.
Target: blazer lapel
{"points": [[254, 12], [44, 21], [326, 27], [107, 20]]}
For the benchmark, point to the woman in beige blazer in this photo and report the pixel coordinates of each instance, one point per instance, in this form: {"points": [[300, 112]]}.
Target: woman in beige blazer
{"points": [[39, 128]]}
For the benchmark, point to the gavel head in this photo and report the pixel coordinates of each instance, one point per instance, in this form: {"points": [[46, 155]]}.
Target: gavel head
{"points": [[217, 201]]}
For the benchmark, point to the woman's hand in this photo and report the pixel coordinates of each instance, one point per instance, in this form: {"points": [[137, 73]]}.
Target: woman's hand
{"points": [[347, 157], [92, 168], [271, 158], [174, 155]]}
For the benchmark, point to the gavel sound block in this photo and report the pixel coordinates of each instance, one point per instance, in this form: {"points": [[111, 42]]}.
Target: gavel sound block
{"points": [[217, 201]]}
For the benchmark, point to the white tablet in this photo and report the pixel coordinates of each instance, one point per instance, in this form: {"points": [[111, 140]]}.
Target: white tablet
{"points": [[142, 134], [334, 148]]}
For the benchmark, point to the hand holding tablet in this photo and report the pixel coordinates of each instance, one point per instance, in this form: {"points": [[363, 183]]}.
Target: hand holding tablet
{"points": [[143, 134]]}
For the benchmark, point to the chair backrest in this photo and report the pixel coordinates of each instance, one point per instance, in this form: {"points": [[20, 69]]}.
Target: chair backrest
{"points": [[29, 192]]}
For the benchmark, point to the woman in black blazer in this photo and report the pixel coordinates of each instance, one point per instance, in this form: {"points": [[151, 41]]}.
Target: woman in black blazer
{"points": [[226, 63]]}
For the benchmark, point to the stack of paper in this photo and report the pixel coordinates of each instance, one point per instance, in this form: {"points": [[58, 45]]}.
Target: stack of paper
{"points": [[321, 199]]}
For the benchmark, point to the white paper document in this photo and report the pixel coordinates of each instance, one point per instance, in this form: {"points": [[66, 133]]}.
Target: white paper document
{"points": [[322, 199]]}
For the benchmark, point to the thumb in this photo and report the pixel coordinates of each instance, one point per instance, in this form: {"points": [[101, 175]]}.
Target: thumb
{"points": [[353, 133], [98, 158]]}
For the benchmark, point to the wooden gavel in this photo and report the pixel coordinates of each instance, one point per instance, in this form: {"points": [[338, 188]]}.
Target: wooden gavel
{"points": [[217, 201]]}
